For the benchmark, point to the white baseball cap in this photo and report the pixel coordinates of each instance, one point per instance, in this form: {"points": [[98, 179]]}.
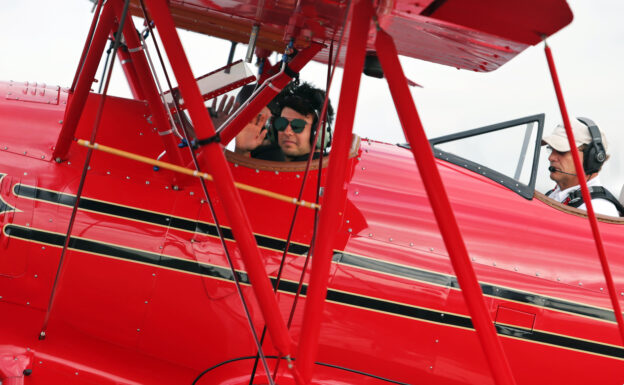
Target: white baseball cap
{"points": [[558, 139]]}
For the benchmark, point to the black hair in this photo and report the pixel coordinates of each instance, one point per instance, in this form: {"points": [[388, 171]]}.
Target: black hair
{"points": [[306, 100]]}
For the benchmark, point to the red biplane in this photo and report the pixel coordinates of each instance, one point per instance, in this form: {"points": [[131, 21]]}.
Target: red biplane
{"points": [[128, 257]]}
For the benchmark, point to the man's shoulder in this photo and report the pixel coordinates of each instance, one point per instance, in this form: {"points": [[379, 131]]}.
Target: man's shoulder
{"points": [[269, 152], [305, 157], [602, 206]]}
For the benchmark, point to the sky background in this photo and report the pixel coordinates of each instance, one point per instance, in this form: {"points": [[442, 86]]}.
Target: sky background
{"points": [[42, 41]]}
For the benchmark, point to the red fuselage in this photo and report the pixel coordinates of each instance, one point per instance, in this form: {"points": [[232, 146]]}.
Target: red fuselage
{"points": [[146, 294]]}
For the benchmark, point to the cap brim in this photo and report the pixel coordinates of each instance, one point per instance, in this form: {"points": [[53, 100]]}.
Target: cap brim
{"points": [[558, 143]]}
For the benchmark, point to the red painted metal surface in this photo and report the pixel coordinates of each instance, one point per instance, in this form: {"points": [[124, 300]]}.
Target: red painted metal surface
{"points": [[578, 166], [85, 79], [104, 329], [216, 165], [471, 34], [331, 213], [445, 218]]}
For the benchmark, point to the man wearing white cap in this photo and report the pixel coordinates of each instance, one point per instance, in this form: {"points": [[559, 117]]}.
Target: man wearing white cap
{"points": [[592, 146]]}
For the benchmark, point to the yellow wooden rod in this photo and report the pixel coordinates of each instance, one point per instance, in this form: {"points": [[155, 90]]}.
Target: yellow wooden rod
{"points": [[187, 171]]}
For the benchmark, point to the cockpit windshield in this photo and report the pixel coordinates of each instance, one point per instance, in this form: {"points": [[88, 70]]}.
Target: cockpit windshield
{"points": [[507, 153]]}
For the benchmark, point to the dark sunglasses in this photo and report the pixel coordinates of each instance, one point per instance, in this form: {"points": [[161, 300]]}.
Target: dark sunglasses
{"points": [[297, 125]]}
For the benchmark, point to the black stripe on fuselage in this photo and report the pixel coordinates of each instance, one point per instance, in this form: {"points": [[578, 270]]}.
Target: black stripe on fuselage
{"points": [[341, 257], [335, 296], [150, 217], [488, 289]]}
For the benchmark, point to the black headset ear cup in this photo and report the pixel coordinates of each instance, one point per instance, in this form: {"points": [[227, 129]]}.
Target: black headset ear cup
{"points": [[323, 142], [594, 155], [593, 158]]}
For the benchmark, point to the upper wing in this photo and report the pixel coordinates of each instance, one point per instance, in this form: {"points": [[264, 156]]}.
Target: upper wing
{"points": [[479, 35]]}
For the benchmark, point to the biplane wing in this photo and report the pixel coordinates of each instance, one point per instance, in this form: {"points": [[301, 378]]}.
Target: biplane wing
{"points": [[468, 34]]}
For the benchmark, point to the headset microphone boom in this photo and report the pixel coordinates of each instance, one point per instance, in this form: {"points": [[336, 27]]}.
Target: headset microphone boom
{"points": [[553, 169]]}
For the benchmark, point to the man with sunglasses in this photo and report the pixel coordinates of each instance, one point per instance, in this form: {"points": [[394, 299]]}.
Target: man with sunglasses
{"points": [[293, 132], [592, 147]]}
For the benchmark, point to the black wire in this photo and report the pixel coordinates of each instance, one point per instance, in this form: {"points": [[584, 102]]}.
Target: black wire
{"points": [[287, 246], [83, 177], [320, 167], [292, 225], [214, 216], [108, 53], [294, 359]]}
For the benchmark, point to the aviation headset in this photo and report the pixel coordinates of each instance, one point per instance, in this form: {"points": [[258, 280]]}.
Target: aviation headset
{"points": [[594, 155]]}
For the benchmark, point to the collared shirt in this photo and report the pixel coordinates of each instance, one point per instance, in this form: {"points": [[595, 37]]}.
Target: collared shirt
{"points": [[601, 206]]}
